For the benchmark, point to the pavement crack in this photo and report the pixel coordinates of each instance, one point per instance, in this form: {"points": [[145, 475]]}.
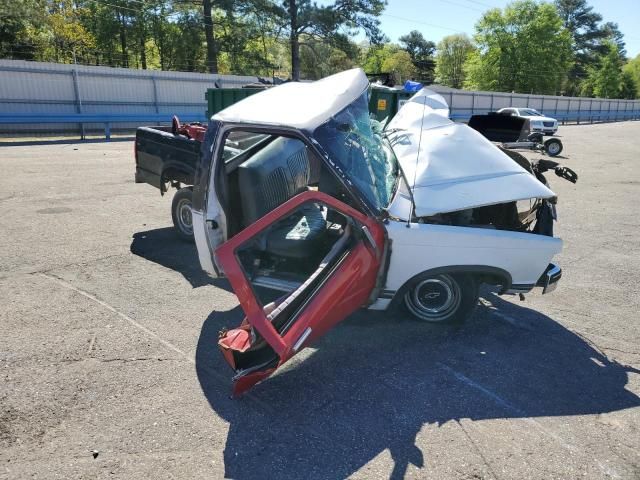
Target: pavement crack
{"points": [[128, 360], [28, 271], [477, 449], [117, 359], [189, 358], [79, 264]]}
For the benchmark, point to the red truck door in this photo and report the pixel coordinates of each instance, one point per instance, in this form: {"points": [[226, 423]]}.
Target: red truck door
{"points": [[342, 282]]}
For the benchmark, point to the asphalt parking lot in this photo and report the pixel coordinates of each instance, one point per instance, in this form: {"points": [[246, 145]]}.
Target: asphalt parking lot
{"points": [[110, 366]]}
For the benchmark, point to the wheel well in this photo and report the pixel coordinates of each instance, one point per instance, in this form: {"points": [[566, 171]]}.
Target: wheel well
{"points": [[176, 176], [483, 273]]}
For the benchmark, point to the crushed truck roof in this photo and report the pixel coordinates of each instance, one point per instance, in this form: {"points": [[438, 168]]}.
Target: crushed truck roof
{"points": [[299, 105]]}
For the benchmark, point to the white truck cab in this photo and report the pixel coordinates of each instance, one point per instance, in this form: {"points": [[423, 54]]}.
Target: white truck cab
{"points": [[312, 211]]}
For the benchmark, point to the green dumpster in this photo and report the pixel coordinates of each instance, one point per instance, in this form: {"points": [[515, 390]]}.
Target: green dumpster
{"points": [[220, 98], [385, 102]]}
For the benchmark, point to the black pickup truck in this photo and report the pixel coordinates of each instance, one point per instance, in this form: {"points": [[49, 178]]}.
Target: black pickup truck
{"points": [[168, 156]]}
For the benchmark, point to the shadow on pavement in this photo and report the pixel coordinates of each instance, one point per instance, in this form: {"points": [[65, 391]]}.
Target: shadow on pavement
{"points": [[373, 382], [162, 246]]}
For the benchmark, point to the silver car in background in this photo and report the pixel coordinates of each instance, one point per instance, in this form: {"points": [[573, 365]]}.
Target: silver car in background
{"points": [[539, 122]]}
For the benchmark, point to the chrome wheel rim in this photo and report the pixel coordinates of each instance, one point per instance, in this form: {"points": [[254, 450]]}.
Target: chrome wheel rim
{"points": [[553, 148], [185, 220], [434, 299]]}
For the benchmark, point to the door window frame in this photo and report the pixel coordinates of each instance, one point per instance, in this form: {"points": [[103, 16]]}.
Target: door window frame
{"points": [[217, 173]]}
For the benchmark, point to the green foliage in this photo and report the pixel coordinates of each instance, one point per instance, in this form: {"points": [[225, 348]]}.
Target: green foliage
{"points": [[69, 36], [628, 87], [330, 23], [582, 23], [390, 58], [589, 41], [453, 52], [421, 53], [607, 80], [373, 56], [319, 59], [529, 46], [401, 65], [524, 48], [21, 23], [631, 72]]}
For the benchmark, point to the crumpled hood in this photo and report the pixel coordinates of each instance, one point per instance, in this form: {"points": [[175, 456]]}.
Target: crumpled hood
{"points": [[452, 167]]}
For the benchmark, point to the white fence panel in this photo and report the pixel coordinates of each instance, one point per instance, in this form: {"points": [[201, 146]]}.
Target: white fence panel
{"points": [[50, 89]]}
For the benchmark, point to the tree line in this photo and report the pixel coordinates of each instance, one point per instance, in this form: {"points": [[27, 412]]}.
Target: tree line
{"points": [[563, 47]]}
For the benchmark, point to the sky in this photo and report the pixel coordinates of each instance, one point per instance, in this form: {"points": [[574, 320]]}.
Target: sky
{"points": [[438, 18]]}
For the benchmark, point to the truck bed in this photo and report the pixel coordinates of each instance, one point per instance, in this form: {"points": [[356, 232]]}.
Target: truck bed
{"points": [[162, 156]]}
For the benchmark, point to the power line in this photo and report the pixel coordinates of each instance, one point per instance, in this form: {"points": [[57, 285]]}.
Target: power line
{"points": [[462, 5], [483, 4], [413, 20]]}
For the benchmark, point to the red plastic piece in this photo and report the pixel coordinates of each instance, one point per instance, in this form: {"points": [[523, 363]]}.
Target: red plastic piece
{"points": [[195, 131]]}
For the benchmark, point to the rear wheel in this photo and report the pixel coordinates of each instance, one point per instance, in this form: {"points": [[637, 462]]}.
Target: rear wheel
{"points": [[442, 298], [553, 147], [181, 213]]}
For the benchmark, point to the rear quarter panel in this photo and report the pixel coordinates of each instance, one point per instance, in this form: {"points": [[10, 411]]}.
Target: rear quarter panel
{"points": [[159, 150], [422, 247]]}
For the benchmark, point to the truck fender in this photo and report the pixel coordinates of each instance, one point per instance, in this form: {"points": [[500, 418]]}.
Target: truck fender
{"points": [[171, 169], [484, 273]]}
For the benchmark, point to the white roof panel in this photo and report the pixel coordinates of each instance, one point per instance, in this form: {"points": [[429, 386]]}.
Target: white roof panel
{"points": [[299, 105]]}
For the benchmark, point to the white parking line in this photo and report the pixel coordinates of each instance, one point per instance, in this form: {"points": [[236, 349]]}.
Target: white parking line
{"points": [[127, 318]]}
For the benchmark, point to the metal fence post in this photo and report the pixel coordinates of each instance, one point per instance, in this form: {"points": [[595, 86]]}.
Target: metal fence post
{"points": [[473, 102], [491, 107], [555, 111], [451, 103], [76, 91], [155, 93]]}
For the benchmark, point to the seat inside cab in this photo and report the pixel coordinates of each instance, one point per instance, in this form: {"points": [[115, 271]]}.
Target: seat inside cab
{"points": [[269, 178], [287, 254]]}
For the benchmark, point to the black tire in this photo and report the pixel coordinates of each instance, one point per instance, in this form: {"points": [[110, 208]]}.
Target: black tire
{"points": [[181, 213], [553, 147], [443, 298]]}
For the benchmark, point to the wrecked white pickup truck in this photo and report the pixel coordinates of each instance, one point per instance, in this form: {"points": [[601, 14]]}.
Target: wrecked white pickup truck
{"points": [[322, 215]]}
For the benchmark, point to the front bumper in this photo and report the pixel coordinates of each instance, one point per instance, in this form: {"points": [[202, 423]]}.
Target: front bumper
{"points": [[548, 281], [545, 130]]}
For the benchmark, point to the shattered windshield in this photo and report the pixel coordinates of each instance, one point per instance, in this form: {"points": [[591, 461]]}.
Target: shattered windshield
{"points": [[360, 153]]}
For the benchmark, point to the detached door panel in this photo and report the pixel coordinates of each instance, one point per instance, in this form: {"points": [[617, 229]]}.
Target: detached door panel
{"points": [[296, 275]]}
